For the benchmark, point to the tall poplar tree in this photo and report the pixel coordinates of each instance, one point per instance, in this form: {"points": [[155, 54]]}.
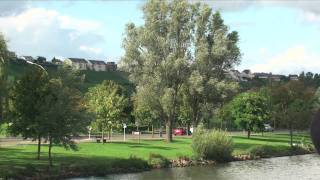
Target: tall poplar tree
{"points": [[179, 45]]}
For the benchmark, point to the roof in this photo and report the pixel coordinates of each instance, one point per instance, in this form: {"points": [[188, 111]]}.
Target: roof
{"points": [[261, 74], [28, 58], [98, 62], [293, 75], [56, 60], [78, 60]]}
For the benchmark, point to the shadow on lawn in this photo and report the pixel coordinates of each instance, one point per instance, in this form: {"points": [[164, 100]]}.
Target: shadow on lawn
{"points": [[266, 139], [18, 164], [152, 147]]}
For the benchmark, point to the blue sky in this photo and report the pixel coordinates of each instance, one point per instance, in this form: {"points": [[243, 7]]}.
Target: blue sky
{"points": [[275, 36]]}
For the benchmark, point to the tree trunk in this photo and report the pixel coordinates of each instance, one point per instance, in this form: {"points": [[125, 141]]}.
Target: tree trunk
{"points": [[249, 132], [1, 109], [188, 129], [39, 147], [50, 147], [169, 131], [102, 136], [160, 130], [152, 131], [291, 136], [109, 134]]}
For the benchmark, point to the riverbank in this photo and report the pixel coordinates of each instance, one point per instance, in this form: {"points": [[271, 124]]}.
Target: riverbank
{"points": [[94, 159]]}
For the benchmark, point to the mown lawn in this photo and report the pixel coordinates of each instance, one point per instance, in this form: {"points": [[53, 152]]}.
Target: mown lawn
{"points": [[23, 156]]}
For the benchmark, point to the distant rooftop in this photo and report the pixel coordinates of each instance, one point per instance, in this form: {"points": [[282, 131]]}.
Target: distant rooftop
{"points": [[99, 62], [78, 60]]}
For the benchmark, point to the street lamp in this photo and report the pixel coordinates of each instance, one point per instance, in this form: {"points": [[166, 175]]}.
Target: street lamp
{"points": [[124, 131]]}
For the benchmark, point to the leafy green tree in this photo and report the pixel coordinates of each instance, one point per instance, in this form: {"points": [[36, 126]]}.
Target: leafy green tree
{"points": [[28, 95], [143, 114], [63, 105], [3, 77], [158, 51], [293, 104], [107, 101], [250, 111], [176, 39]]}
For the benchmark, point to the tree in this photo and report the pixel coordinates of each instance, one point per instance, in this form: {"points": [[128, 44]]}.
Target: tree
{"points": [[107, 101], [63, 105], [143, 114], [176, 39], [28, 95], [250, 111], [3, 77], [159, 51], [293, 103]]}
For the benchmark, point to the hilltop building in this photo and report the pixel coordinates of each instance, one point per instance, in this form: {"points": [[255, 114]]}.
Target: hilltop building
{"points": [[57, 61], [97, 65], [77, 63]]}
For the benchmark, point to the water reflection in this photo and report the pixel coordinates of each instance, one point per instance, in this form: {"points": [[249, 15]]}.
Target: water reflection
{"points": [[305, 167]]}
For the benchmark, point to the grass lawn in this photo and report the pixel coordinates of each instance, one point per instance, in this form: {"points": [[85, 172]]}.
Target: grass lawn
{"points": [[22, 156]]}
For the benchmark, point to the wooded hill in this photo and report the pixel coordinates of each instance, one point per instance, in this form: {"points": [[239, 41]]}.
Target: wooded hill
{"points": [[17, 69]]}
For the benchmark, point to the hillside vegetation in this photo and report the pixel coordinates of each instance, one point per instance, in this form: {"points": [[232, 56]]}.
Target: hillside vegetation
{"points": [[16, 70]]}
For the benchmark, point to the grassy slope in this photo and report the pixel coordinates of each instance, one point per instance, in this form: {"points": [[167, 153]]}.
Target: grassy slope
{"points": [[92, 77], [93, 153]]}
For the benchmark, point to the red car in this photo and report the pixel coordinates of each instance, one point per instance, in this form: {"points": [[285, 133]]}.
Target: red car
{"points": [[179, 131]]}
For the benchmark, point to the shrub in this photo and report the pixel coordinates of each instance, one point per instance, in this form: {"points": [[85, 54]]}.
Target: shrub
{"points": [[157, 160], [4, 129], [212, 145], [265, 151]]}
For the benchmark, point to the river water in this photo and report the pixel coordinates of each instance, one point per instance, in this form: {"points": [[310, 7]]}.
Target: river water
{"points": [[304, 167]]}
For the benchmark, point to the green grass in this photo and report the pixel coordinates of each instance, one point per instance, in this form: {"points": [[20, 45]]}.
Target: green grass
{"points": [[109, 154]]}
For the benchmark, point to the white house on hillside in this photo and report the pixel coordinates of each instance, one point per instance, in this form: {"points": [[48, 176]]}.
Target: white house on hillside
{"points": [[97, 65], [77, 63]]}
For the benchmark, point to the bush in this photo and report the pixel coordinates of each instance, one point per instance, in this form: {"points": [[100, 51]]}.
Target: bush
{"points": [[265, 151], [157, 160], [212, 145], [4, 129]]}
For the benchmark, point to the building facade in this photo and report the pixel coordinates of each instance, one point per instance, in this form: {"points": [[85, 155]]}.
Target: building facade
{"points": [[77, 63]]}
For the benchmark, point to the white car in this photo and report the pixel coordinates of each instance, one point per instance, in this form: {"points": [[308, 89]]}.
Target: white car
{"points": [[268, 128]]}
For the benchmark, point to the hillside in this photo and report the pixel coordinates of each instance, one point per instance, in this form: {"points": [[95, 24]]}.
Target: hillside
{"points": [[16, 70]]}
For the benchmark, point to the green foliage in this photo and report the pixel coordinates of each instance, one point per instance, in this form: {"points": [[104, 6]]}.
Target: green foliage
{"points": [[180, 53], [266, 151], [107, 101], [158, 161], [4, 60], [27, 99], [63, 104], [4, 129], [213, 145], [250, 111]]}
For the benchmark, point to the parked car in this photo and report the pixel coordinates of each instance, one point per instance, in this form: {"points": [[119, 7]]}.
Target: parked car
{"points": [[268, 128], [180, 131]]}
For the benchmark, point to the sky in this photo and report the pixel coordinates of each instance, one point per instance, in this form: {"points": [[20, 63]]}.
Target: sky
{"points": [[281, 37]]}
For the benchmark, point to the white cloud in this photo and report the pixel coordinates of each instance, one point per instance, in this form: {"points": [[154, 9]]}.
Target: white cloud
{"points": [[311, 16], [39, 31], [9, 7], [293, 60], [90, 49]]}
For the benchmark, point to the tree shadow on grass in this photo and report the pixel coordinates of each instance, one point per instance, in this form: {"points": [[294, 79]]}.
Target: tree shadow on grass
{"points": [[17, 162], [152, 147], [267, 139]]}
